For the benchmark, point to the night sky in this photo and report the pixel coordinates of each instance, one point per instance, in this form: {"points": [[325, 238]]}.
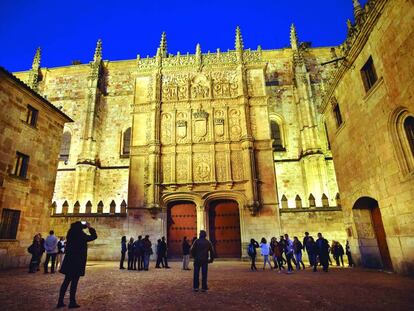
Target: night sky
{"points": [[68, 30]]}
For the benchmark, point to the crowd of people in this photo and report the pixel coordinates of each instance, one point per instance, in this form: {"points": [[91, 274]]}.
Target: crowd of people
{"points": [[286, 251], [54, 249]]}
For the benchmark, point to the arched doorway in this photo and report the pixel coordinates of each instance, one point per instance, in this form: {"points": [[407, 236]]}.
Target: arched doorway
{"points": [[371, 234], [224, 228], [181, 222]]}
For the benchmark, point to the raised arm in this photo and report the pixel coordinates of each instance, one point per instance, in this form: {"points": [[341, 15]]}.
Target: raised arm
{"points": [[92, 235]]}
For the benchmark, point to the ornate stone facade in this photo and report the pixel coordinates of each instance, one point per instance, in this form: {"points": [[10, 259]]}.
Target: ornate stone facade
{"points": [[201, 132]]}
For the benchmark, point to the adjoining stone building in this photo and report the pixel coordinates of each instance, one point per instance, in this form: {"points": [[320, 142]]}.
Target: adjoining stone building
{"points": [[230, 142], [30, 135], [369, 111]]}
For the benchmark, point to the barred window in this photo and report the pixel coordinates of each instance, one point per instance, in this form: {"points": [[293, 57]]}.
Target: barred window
{"points": [[126, 141], [9, 223], [369, 75], [65, 146], [21, 165], [31, 115]]}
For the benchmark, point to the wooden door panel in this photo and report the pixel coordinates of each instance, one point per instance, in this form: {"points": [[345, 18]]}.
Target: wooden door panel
{"points": [[381, 238], [181, 222], [224, 223]]}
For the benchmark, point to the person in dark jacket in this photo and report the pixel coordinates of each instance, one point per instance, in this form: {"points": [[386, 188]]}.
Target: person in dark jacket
{"points": [[130, 248], [139, 253], [312, 251], [251, 251], [186, 254], [200, 250], [123, 251], [147, 247], [297, 252], [323, 252], [74, 263], [164, 253], [338, 253], [305, 249], [42, 242], [349, 255], [36, 251], [159, 255]]}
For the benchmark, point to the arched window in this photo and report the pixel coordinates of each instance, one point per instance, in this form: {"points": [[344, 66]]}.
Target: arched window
{"points": [[409, 131], [276, 136], [65, 146], [126, 141], [401, 124]]}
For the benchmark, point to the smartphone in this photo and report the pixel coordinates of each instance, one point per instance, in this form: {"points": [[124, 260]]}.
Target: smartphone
{"points": [[83, 222]]}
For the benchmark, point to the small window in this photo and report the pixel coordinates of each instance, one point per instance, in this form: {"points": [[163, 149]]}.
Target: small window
{"points": [[126, 141], [276, 136], [337, 114], [9, 223], [65, 146], [21, 165], [409, 131], [31, 117], [369, 76]]}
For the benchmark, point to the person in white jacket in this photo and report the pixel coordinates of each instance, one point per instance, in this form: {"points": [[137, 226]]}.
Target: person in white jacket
{"points": [[50, 246], [265, 250]]}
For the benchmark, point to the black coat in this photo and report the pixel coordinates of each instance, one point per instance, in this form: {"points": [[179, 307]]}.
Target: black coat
{"points": [[200, 250], [76, 254], [186, 248]]}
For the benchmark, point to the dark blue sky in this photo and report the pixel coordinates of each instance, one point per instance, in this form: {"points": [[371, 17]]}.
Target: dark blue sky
{"points": [[68, 30]]}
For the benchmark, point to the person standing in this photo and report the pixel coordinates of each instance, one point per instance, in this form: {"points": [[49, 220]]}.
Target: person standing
{"points": [[139, 252], [339, 254], [265, 250], [158, 253], [203, 254], [349, 255], [61, 252], [186, 253], [251, 251], [123, 251], [36, 251], [305, 242], [312, 251], [42, 243], [297, 249], [164, 252], [130, 248], [50, 246], [74, 263], [323, 252], [277, 253], [147, 246], [289, 253]]}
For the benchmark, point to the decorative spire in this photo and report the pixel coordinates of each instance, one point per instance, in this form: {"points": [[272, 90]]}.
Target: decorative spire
{"points": [[239, 40], [36, 59], [293, 37], [358, 11], [163, 44], [98, 51], [198, 55], [349, 27]]}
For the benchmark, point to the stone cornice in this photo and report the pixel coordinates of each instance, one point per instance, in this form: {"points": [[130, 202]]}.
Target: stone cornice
{"points": [[358, 35]]}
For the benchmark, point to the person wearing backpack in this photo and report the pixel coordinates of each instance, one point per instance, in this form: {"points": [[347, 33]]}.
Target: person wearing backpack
{"points": [[251, 251]]}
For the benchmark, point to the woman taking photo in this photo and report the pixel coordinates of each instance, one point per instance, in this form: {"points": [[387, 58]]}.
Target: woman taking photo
{"points": [[74, 263]]}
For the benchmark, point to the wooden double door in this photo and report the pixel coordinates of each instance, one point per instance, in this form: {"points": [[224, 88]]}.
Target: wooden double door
{"points": [[181, 222], [224, 228], [381, 238]]}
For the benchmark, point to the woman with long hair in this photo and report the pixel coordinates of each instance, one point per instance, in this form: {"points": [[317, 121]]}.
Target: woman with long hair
{"points": [[74, 263], [265, 250]]}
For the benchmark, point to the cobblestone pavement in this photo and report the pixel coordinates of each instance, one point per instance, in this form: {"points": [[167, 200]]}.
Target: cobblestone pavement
{"points": [[232, 287]]}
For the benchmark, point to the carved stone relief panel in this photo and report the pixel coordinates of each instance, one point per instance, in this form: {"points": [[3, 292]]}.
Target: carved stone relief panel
{"points": [[174, 87], [166, 168], [219, 130], [202, 167], [234, 122], [166, 125], [237, 165], [182, 127], [253, 122], [200, 125], [200, 87], [225, 84], [182, 168], [221, 166]]}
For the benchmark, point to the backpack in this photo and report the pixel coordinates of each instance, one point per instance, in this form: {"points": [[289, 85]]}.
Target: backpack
{"points": [[250, 250]]}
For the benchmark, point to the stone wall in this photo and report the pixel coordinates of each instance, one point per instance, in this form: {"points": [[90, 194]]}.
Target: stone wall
{"points": [[32, 194], [368, 148]]}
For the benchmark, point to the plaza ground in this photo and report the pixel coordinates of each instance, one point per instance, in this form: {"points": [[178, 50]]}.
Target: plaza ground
{"points": [[232, 287]]}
